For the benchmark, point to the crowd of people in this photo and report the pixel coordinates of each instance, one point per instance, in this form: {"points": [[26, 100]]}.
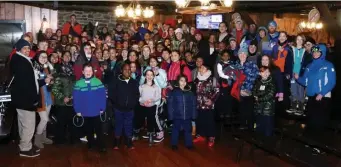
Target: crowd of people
{"points": [[169, 76]]}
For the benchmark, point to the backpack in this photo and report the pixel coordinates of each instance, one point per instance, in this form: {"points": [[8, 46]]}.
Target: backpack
{"points": [[239, 79]]}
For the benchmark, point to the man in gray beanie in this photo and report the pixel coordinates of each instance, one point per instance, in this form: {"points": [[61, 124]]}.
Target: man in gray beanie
{"points": [[24, 93]]}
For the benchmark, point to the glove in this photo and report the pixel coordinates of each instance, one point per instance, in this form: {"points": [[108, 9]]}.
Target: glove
{"points": [[79, 114]]}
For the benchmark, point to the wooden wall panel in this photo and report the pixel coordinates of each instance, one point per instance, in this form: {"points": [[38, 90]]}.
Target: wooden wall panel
{"points": [[28, 18], [2, 11], [36, 21], [19, 12], [9, 11]]}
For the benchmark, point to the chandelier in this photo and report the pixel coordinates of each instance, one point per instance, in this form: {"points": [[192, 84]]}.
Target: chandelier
{"points": [[134, 11], [310, 26], [206, 7]]}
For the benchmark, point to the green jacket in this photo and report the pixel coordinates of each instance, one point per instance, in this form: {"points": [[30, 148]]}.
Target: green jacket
{"points": [[62, 87], [265, 92]]}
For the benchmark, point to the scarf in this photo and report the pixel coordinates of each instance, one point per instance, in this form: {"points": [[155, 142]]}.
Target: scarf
{"points": [[66, 69], [205, 76]]}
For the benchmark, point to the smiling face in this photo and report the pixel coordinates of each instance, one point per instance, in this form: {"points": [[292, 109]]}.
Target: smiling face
{"points": [[262, 33], [299, 41], [106, 55], [282, 37], [152, 62], [112, 54], [126, 72], [132, 57], [242, 56], [66, 57], [146, 52], [182, 82], [175, 57], [252, 48], [43, 45], [43, 58], [265, 61], [25, 50], [199, 62], [88, 72], [265, 74], [133, 67], [222, 28], [149, 76]]}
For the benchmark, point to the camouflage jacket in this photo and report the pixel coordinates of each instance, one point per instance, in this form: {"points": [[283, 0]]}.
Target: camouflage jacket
{"points": [[62, 88]]}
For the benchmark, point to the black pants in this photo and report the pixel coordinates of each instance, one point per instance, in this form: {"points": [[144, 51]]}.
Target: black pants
{"points": [[224, 103], [64, 116], [246, 111], [93, 125], [318, 113], [205, 123], [108, 125], [144, 112]]}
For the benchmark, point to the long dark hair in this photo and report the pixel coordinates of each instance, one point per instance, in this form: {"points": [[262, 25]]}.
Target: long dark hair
{"points": [[271, 65], [81, 59], [145, 74]]}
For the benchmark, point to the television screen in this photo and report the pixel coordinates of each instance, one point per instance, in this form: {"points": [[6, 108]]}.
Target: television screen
{"points": [[208, 21]]}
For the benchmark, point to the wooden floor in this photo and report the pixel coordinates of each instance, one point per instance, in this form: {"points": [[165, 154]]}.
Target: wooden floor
{"points": [[161, 155]]}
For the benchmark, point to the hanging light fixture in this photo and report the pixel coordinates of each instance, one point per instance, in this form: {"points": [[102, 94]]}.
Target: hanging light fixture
{"points": [[206, 7], [134, 11], [182, 3], [310, 26]]}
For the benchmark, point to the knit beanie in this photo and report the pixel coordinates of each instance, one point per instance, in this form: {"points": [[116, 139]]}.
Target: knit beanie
{"points": [[21, 43], [272, 23], [244, 49]]}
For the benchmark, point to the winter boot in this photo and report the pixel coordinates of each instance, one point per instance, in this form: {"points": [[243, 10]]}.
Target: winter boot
{"points": [[38, 141], [46, 140], [116, 143], [159, 137], [130, 144]]}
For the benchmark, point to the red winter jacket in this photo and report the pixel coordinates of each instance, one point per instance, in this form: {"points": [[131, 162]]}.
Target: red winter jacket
{"points": [[175, 70]]}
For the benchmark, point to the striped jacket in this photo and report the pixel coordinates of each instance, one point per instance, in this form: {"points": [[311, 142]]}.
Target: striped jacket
{"points": [[89, 97]]}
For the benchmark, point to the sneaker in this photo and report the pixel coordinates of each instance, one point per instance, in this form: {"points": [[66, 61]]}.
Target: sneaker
{"points": [[199, 139], [84, 139], [35, 148], [130, 144], [31, 153], [291, 110], [159, 137], [135, 138], [146, 136], [299, 113], [116, 143], [211, 142]]}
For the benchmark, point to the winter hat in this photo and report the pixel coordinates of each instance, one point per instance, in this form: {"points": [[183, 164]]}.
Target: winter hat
{"points": [[179, 30], [244, 49], [197, 31], [232, 39], [272, 23], [263, 28], [316, 48], [21, 43]]}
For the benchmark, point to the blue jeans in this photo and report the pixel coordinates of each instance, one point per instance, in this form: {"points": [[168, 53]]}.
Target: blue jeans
{"points": [[124, 121], [297, 91], [187, 127]]}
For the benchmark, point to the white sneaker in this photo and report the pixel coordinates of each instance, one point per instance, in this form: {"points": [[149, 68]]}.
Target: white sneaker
{"points": [[84, 139], [290, 111]]}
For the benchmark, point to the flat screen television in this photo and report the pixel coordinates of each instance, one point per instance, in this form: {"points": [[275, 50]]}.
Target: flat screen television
{"points": [[208, 21]]}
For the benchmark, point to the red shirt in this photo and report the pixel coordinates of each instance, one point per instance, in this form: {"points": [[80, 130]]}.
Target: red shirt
{"points": [[175, 70], [239, 35]]}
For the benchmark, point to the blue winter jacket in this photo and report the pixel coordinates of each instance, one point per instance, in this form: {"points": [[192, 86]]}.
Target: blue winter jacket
{"points": [[250, 70], [319, 77], [182, 105]]}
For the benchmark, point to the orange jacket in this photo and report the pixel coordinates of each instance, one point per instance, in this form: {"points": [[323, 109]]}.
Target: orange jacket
{"points": [[77, 28]]}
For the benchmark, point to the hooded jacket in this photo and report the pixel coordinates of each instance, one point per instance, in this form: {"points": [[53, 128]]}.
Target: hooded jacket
{"points": [[206, 90], [265, 91], [319, 77], [181, 104], [123, 94]]}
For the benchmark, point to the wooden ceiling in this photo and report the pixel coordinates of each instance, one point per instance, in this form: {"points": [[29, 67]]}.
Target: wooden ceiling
{"points": [[168, 7]]}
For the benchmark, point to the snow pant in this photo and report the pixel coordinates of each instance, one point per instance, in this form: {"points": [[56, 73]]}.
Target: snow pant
{"points": [[187, 127], [205, 123]]}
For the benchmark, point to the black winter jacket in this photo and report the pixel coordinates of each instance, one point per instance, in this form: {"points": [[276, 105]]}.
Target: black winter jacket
{"points": [[124, 96]]}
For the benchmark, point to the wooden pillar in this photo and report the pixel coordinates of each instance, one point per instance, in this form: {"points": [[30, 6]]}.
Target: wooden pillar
{"points": [[328, 20]]}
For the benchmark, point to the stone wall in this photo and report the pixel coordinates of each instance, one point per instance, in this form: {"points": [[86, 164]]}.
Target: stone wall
{"points": [[84, 17]]}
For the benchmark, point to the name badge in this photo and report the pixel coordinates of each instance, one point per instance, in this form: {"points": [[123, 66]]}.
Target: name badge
{"points": [[292, 81], [262, 87], [87, 82]]}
